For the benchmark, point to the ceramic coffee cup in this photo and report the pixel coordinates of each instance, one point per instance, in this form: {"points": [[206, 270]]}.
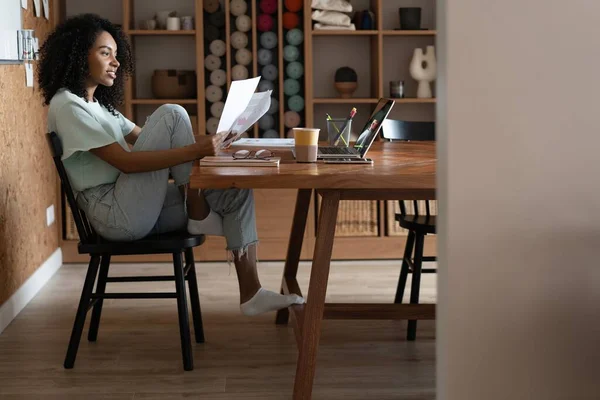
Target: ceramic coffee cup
{"points": [[306, 141]]}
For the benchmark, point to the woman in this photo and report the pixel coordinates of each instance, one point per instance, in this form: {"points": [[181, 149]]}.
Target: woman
{"points": [[120, 171]]}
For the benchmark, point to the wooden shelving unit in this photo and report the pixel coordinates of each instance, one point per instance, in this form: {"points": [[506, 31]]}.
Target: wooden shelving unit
{"points": [[274, 217]]}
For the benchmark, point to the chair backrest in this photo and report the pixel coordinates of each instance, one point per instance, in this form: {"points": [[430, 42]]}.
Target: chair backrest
{"points": [[393, 129], [85, 230]]}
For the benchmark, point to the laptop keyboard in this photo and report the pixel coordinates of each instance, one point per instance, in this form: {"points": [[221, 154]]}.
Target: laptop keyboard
{"points": [[335, 150]]}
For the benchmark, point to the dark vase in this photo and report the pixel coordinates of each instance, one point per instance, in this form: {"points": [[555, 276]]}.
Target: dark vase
{"points": [[410, 18]]}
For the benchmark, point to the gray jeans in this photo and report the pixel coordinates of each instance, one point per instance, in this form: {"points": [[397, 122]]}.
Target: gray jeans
{"points": [[137, 205]]}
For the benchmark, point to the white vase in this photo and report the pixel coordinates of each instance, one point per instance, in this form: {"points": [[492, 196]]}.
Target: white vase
{"points": [[423, 68]]}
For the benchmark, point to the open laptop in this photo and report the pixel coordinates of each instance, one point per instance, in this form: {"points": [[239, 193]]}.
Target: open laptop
{"points": [[366, 138]]}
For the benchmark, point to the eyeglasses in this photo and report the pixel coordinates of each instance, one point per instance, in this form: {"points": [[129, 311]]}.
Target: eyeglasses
{"points": [[247, 154]]}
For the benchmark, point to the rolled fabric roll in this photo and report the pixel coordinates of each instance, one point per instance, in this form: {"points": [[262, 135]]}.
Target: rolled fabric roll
{"points": [[238, 7], [290, 20], [296, 103], [269, 72], [243, 23], [243, 56], [294, 70], [266, 122], [216, 109], [291, 53], [265, 23], [294, 37], [293, 5], [218, 47], [265, 57], [239, 40], [213, 94], [290, 134], [268, 6], [270, 134], [268, 40], [274, 107], [239, 72], [291, 119], [211, 33], [291, 87], [265, 85], [212, 125], [218, 77], [217, 19], [212, 62], [210, 6]]}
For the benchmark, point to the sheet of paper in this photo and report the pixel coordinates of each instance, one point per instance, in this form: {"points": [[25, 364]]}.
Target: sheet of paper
{"points": [[240, 94], [38, 8], [264, 143], [24, 4], [46, 9], [36, 47], [29, 74], [258, 106]]}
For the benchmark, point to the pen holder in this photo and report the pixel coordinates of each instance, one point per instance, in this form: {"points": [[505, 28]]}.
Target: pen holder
{"points": [[334, 126]]}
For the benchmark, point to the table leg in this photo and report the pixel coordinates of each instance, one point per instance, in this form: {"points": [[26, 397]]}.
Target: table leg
{"points": [[295, 245], [317, 289]]}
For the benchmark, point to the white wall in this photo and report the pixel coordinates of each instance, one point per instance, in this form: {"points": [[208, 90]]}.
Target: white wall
{"points": [[519, 159]]}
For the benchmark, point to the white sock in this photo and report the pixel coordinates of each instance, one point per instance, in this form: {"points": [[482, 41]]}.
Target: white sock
{"points": [[211, 225], [265, 300]]}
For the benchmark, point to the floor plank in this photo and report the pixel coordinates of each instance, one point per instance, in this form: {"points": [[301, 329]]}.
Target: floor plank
{"points": [[137, 355]]}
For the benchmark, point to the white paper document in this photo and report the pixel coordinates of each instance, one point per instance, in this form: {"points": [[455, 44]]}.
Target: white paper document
{"points": [[24, 4], [266, 143], [29, 74], [46, 9], [242, 108], [38, 7]]}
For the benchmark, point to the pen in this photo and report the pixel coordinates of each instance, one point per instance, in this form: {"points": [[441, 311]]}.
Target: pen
{"points": [[352, 114]]}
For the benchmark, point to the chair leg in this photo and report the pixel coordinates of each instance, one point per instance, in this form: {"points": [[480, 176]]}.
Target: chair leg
{"points": [[100, 289], [82, 309], [184, 326], [408, 249], [416, 284], [194, 296]]}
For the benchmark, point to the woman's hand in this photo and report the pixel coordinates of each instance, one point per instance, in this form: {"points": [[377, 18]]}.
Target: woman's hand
{"points": [[209, 145]]}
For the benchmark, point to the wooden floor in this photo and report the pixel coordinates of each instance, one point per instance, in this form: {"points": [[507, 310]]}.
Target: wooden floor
{"points": [[137, 355]]}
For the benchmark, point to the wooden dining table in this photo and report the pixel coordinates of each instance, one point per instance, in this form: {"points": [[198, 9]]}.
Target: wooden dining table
{"points": [[401, 171]]}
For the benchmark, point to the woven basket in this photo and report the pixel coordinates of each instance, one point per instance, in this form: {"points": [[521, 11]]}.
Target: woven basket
{"points": [[357, 218], [392, 208]]}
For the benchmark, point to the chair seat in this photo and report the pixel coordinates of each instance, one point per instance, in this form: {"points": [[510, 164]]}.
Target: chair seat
{"points": [[154, 244], [417, 223]]}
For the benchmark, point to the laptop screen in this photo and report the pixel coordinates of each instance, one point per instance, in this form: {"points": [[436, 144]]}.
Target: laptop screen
{"points": [[373, 125]]}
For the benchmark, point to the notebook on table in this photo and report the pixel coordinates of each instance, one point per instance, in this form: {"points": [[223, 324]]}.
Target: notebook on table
{"points": [[365, 139]]}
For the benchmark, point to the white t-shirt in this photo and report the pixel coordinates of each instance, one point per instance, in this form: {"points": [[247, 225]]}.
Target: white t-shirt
{"points": [[82, 126]]}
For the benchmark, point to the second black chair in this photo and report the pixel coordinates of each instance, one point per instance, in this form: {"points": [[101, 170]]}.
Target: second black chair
{"points": [[101, 251], [418, 221]]}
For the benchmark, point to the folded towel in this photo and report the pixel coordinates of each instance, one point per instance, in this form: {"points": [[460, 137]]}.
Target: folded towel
{"points": [[324, 27], [331, 18], [332, 5]]}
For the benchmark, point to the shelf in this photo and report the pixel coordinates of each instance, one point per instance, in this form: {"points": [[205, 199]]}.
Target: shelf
{"points": [[332, 32], [163, 101], [409, 33], [414, 100], [141, 32], [337, 100]]}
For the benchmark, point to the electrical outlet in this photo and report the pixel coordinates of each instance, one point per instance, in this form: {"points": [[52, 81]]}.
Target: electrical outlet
{"points": [[50, 215]]}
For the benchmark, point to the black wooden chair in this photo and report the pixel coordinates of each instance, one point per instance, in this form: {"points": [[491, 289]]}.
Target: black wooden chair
{"points": [[100, 252], [417, 221]]}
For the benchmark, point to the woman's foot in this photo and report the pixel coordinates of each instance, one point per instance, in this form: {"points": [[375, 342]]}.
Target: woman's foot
{"points": [[265, 300], [211, 225]]}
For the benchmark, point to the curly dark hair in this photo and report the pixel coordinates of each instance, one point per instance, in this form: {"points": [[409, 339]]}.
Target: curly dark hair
{"points": [[64, 60]]}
